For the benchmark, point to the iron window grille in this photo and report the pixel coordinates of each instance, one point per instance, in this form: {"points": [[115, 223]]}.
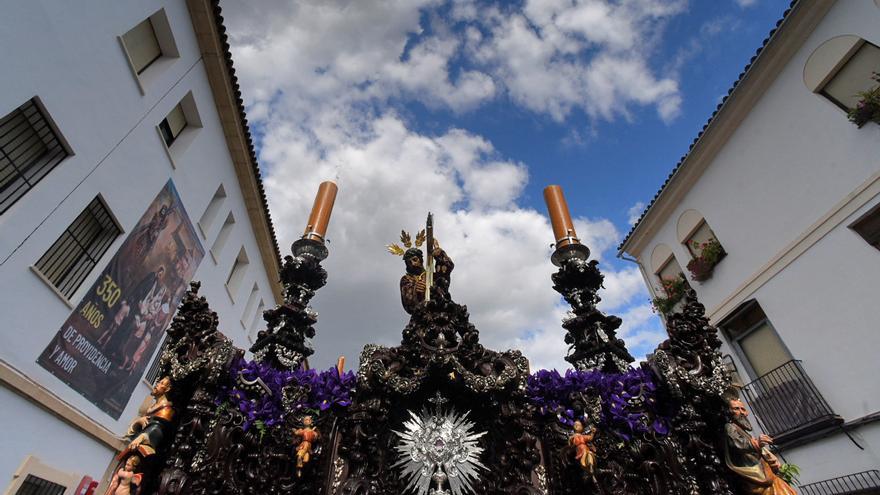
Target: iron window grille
{"points": [[787, 404], [29, 150], [72, 257], [34, 485], [863, 483]]}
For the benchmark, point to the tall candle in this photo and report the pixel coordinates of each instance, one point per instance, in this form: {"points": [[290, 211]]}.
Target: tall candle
{"points": [[316, 229], [563, 227]]}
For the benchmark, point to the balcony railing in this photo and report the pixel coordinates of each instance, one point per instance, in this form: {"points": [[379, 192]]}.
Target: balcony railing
{"points": [[864, 483], [787, 404]]}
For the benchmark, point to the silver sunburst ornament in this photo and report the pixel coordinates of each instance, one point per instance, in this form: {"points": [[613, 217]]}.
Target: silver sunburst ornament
{"points": [[439, 448]]}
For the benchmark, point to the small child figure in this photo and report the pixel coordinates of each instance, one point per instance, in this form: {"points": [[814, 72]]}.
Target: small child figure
{"points": [[307, 435], [124, 309], [584, 449]]}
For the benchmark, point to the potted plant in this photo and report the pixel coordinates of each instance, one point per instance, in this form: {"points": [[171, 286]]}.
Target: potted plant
{"points": [[674, 289], [868, 107], [701, 266], [789, 473]]}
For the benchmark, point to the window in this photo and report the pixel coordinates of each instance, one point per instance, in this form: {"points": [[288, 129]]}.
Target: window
{"points": [[258, 318], [236, 275], [252, 300], [671, 270], [29, 149], [853, 76], [785, 401], [222, 237], [172, 125], [34, 485], [71, 258], [148, 46], [210, 215], [693, 228], [142, 45], [868, 226], [35, 478], [755, 339], [699, 237], [176, 129]]}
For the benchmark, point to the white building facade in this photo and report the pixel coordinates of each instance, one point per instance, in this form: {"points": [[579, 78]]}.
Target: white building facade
{"points": [[126, 169], [791, 190]]}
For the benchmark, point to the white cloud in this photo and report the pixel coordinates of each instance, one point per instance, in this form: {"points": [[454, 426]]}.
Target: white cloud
{"points": [[322, 77], [548, 56], [746, 3], [389, 177], [635, 212]]}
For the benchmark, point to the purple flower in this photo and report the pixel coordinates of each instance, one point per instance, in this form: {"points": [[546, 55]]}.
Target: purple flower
{"points": [[628, 400], [324, 390]]}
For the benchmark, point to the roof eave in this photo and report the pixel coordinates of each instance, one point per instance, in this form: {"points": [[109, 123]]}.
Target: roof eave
{"points": [[211, 35]]}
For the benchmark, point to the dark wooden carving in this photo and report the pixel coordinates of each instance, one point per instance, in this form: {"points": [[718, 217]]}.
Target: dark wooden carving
{"points": [[526, 451]]}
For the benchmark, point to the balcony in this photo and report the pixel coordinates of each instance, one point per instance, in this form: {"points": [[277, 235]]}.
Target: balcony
{"points": [[787, 404], [864, 483]]}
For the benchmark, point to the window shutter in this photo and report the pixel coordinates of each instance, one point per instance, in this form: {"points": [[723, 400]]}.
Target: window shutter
{"points": [[142, 45], [854, 76]]}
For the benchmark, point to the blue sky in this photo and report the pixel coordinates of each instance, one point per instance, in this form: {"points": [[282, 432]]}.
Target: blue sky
{"points": [[468, 109]]}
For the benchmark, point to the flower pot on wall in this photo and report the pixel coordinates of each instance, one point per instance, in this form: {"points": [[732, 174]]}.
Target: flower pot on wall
{"points": [[701, 269]]}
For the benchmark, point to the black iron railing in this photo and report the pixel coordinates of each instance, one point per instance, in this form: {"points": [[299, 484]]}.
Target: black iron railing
{"points": [[863, 483], [786, 403]]}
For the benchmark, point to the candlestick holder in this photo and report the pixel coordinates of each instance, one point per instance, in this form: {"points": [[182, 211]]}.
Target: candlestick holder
{"points": [[572, 250], [309, 246]]}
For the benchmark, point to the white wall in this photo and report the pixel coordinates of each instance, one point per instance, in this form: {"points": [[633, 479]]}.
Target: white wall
{"points": [[70, 57], [30, 430], [837, 455], [793, 158]]}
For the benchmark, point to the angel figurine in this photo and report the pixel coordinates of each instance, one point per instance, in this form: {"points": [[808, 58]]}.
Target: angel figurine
{"points": [[585, 451], [307, 436], [126, 480]]}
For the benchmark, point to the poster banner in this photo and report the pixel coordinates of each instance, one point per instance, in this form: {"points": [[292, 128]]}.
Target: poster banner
{"points": [[103, 348]]}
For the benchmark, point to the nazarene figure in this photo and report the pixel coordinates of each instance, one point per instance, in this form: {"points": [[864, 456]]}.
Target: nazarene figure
{"points": [[749, 458], [414, 281]]}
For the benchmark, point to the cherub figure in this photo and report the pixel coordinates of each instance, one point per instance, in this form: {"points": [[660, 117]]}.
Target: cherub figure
{"points": [[307, 436], [126, 480], [585, 451]]}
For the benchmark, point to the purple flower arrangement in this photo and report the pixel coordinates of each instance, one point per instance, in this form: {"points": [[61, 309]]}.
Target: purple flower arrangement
{"points": [[323, 390], [628, 400]]}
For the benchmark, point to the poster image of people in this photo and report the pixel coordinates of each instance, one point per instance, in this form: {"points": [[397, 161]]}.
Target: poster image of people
{"points": [[103, 348]]}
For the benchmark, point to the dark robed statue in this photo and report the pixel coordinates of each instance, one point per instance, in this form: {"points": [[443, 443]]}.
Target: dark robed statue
{"points": [[749, 458], [414, 282]]}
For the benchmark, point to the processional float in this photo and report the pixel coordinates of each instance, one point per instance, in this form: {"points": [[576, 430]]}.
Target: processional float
{"points": [[440, 414]]}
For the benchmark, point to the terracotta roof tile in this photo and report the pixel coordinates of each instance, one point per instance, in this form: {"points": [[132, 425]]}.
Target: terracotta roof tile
{"points": [[221, 29]]}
